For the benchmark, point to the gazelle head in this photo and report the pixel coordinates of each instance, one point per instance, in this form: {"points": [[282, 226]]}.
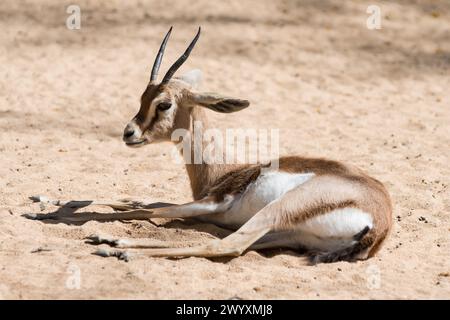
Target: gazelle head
{"points": [[166, 106]]}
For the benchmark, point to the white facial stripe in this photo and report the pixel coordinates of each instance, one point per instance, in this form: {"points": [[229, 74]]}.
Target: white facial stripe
{"points": [[152, 110], [150, 115]]}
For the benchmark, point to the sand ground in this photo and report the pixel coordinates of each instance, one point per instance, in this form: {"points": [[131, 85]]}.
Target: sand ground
{"points": [[378, 99]]}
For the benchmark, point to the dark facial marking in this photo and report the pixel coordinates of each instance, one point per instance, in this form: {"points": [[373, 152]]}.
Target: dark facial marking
{"points": [[150, 93], [163, 106]]}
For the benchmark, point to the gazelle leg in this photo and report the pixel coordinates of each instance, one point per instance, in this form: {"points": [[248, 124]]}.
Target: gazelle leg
{"points": [[121, 205], [233, 245], [127, 243], [271, 240], [280, 239], [196, 208]]}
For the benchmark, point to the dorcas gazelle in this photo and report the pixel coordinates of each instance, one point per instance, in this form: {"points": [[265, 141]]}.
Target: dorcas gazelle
{"points": [[332, 210]]}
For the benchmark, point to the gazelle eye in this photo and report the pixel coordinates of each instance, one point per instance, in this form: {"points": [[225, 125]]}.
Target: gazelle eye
{"points": [[164, 106]]}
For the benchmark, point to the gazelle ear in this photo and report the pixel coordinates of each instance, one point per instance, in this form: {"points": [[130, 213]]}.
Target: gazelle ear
{"points": [[193, 77], [218, 103]]}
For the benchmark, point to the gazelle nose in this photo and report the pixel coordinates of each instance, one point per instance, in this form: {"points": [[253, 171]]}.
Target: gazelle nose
{"points": [[128, 132]]}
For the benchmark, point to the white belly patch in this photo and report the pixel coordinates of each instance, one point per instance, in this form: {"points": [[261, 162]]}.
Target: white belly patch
{"points": [[266, 188]]}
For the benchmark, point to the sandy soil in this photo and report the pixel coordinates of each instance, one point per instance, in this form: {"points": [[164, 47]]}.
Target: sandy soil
{"points": [[376, 98]]}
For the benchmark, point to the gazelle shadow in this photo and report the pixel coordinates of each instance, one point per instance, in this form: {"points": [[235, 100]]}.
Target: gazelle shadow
{"points": [[69, 210]]}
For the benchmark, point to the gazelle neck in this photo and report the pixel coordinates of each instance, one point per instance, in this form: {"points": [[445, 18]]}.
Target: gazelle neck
{"points": [[201, 174]]}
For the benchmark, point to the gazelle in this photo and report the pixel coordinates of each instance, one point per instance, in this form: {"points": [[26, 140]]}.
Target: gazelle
{"points": [[333, 210]]}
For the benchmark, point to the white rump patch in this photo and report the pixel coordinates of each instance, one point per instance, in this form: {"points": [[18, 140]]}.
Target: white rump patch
{"points": [[333, 230], [344, 222]]}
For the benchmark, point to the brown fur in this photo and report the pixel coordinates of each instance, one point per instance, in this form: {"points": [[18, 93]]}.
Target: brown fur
{"points": [[233, 182]]}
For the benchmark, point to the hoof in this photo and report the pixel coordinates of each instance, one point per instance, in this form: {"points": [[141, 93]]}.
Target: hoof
{"points": [[96, 240], [121, 255]]}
